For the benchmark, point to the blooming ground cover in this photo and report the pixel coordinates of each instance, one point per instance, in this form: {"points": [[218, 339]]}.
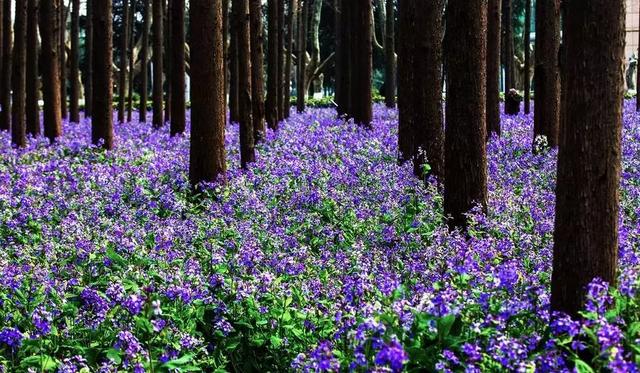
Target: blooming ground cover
{"points": [[324, 256]]}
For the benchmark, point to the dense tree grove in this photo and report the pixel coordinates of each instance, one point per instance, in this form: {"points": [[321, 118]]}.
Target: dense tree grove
{"points": [[455, 189]]}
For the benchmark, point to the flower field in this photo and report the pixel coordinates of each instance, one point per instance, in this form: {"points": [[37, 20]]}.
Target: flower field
{"points": [[325, 256]]}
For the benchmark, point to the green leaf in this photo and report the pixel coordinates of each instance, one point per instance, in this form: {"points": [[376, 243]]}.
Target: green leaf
{"points": [[178, 363], [114, 355], [45, 362], [583, 367], [275, 341], [444, 325]]}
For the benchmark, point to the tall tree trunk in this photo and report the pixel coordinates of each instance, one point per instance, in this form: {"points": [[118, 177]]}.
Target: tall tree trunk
{"points": [[132, 42], [167, 61], [158, 40], [465, 43], [493, 66], [208, 111], [2, 76], [257, 73], [361, 61], [19, 77], [271, 108], [5, 89], [302, 56], [62, 19], [144, 56], [33, 109], [291, 21], [390, 57], [241, 13], [527, 57], [177, 68], [74, 76], [313, 81], [88, 80], [102, 123], [49, 28], [234, 100], [547, 105], [342, 56], [507, 40], [124, 42], [421, 130], [225, 47], [281, 58], [589, 159]]}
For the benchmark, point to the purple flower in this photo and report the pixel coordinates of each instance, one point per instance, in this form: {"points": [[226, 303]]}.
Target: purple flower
{"points": [[11, 337], [393, 355]]}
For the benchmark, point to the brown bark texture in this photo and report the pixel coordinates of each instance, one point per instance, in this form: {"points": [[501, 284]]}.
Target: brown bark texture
{"points": [[178, 108], [52, 113], [144, 57], [74, 72], [390, 56], [361, 62], [271, 107], [124, 43], [102, 121], [19, 76], [33, 83], [247, 151], [494, 21], [257, 72], [158, 40]]}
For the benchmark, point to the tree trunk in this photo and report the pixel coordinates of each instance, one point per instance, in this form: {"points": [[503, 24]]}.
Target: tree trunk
{"points": [[421, 131], [167, 60], [638, 68], [547, 105], [33, 109], [271, 108], [291, 21], [361, 61], [208, 111], [18, 118], [88, 80], [5, 90], [241, 13], [302, 56], [257, 73], [62, 19], [342, 56], [124, 42], [158, 40], [177, 68], [527, 58], [3, 86], [74, 76], [493, 66], [132, 42], [102, 123], [234, 100], [49, 28], [507, 40], [144, 74], [225, 47], [589, 159], [281, 58], [465, 137], [390, 57]]}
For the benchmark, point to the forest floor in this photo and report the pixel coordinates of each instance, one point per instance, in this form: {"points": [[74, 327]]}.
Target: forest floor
{"points": [[325, 255]]}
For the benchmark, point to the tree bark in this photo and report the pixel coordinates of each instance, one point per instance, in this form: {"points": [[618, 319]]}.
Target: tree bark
{"points": [[124, 42], [49, 28], [62, 34], [301, 59], [281, 58], [234, 99], [88, 84], [177, 68], [361, 61], [132, 42], [421, 130], [547, 105], [465, 136], [102, 123], [271, 107], [342, 57], [19, 77], [390, 56], [507, 40], [257, 73], [589, 159], [493, 66], [241, 13], [208, 111], [291, 21], [5, 90], [74, 76], [144, 56], [527, 57], [225, 47], [33, 109], [158, 40], [168, 80]]}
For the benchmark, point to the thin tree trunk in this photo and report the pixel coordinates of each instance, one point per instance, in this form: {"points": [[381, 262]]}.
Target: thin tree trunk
{"points": [[281, 58], [234, 104], [342, 56], [257, 73], [421, 130], [207, 155], [49, 28], [32, 110], [102, 123], [131, 60], [361, 61], [158, 40], [291, 21], [390, 56], [507, 40], [74, 76], [62, 34], [167, 61], [527, 57], [589, 159], [241, 13], [124, 42], [302, 56], [177, 68], [225, 47], [547, 105], [465, 137], [19, 77], [271, 108], [144, 56], [5, 90], [88, 81], [493, 66]]}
